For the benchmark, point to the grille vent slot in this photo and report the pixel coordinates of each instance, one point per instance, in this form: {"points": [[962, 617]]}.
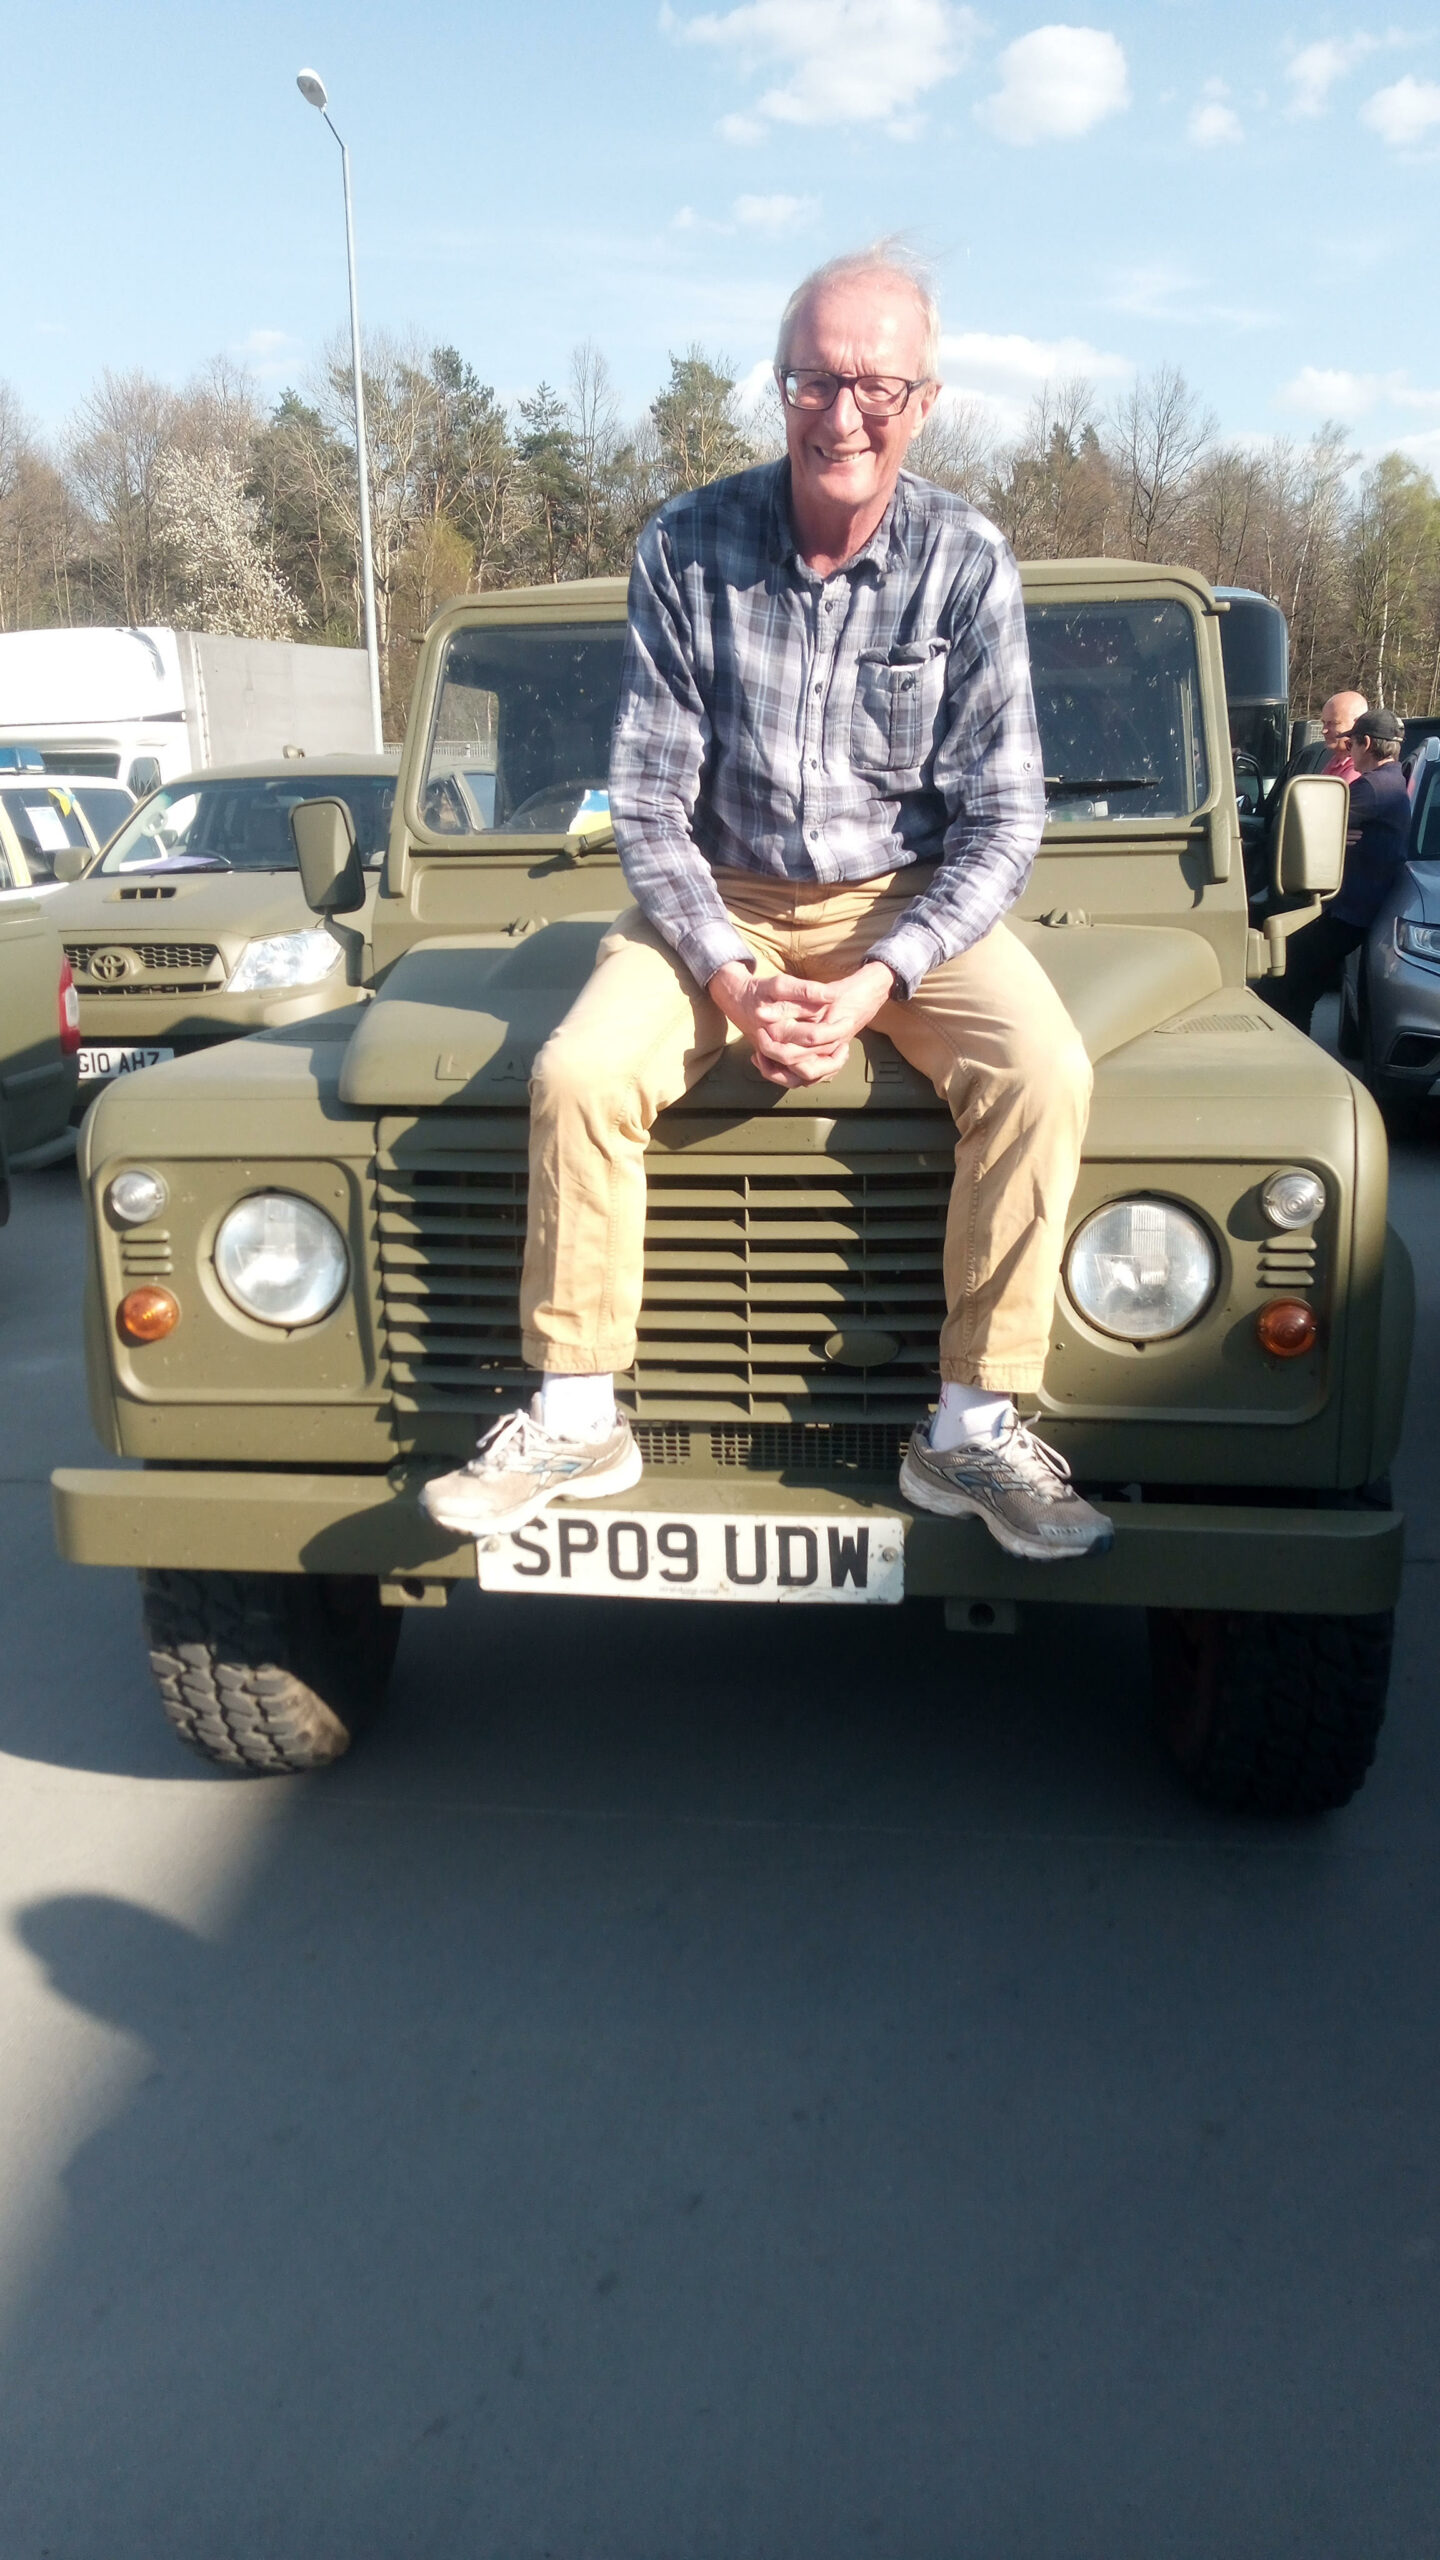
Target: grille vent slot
{"points": [[146, 1257], [1219, 1022], [751, 1264], [1288, 1266]]}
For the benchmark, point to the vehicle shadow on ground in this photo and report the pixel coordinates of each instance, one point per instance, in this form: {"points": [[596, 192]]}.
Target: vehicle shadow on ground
{"points": [[696, 2090]]}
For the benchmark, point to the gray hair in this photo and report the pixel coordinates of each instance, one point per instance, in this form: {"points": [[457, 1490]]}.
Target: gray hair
{"points": [[889, 259]]}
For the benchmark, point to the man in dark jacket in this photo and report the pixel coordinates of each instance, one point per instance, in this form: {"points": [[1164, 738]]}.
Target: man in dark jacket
{"points": [[1374, 850]]}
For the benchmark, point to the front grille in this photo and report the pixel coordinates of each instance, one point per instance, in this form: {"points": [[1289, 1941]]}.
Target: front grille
{"points": [[201, 957], [752, 1265]]}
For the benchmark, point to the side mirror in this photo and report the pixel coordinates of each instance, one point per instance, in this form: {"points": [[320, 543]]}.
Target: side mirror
{"points": [[70, 862], [1310, 835], [331, 872], [1249, 783]]}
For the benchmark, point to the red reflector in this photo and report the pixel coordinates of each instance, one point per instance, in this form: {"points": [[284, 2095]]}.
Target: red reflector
{"points": [[1286, 1328], [147, 1315], [69, 1012]]}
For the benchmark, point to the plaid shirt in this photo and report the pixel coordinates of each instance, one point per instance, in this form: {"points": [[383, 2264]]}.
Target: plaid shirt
{"points": [[831, 729]]}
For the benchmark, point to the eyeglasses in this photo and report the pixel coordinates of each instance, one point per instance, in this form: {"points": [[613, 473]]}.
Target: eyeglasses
{"points": [[876, 395]]}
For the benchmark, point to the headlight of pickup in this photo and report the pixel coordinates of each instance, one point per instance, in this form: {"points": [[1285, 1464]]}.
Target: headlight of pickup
{"points": [[280, 1259], [1141, 1269], [285, 960], [1417, 941]]}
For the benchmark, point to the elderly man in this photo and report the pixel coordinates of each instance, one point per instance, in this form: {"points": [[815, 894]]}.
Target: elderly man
{"points": [[1337, 718], [827, 792]]}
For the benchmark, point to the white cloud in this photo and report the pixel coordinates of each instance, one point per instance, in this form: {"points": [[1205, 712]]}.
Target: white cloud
{"points": [[1055, 83], [266, 342], [1324, 391], [774, 213], [1214, 122], [1405, 114], [1313, 72], [1004, 372], [839, 61]]}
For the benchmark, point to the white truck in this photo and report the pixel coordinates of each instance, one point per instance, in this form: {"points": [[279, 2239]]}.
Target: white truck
{"points": [[144, 706]]}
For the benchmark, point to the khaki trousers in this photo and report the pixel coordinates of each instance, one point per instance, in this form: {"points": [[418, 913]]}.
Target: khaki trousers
{"points": [[988, 1030]]}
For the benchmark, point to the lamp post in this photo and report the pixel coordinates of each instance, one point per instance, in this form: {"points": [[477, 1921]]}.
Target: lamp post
{"points": [[312, 90]]}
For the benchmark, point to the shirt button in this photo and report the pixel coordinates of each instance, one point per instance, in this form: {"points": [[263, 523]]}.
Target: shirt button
{"points": [[814, 764]]}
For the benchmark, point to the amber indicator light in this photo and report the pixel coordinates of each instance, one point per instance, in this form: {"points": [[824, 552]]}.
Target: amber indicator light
{"points": [[147, 1315], [1287, 1328]]}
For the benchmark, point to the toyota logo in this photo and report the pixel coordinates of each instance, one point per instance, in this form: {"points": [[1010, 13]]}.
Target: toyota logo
{"points": [[111, 965]]}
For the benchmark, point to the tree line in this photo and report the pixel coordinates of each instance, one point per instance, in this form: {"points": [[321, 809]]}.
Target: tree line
{"points": [[204, 508]]}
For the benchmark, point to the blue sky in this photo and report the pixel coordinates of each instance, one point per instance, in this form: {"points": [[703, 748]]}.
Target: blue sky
{"points": [[1244, 191]]}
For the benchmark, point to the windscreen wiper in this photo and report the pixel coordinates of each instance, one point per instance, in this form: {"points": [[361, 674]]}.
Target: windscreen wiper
{"points": [[1056, 789]]}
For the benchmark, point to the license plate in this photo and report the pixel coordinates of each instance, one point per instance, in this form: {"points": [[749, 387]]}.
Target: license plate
{"points": [[97, 1063], [667, 1555]]}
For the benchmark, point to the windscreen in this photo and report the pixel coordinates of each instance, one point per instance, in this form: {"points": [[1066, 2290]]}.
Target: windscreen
{"points": [[521, 737], [521, 741], [1117, 696], [244, 824], [46, 819]]}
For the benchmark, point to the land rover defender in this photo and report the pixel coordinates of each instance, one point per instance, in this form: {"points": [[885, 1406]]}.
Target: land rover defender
{"points": [[305, 1246]]}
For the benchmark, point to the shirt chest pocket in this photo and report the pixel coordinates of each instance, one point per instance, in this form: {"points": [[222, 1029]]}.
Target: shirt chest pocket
{"points": [[897, 701]]}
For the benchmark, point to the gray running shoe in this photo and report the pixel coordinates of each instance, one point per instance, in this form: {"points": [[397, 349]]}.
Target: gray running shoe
{"points": [[1016, 1484], [520, 1468]]}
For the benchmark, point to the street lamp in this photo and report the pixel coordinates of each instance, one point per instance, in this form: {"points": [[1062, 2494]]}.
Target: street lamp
{"points": [[312, 90]]}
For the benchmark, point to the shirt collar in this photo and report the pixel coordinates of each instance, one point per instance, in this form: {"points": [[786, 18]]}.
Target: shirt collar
{"points": [[885, 542]]}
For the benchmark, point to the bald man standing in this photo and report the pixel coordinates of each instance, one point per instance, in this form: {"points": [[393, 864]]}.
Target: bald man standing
{"points": [[827, 790], [1337, 720]]}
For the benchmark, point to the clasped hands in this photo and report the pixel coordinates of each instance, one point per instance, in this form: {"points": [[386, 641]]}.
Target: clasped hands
{"points": [[800, 1029]]}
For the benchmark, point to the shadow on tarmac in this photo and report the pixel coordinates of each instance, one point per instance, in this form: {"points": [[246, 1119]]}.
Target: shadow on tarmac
{"points": [[699, 2090]]}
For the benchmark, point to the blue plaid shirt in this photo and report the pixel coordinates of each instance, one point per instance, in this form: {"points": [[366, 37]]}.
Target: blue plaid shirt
{"points": [[831, 729]]}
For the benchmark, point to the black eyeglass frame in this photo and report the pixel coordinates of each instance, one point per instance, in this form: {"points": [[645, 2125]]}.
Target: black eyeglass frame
{"points": [[846, 382]]}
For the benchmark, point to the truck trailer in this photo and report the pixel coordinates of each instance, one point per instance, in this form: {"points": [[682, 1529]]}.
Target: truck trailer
{"points": [[143, 706]]}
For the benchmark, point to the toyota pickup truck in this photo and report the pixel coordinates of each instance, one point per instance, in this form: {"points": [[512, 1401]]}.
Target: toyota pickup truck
{"points": [[305, 1246]]}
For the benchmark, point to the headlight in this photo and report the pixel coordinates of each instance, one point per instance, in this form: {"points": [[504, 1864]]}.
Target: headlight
{"points": [[1294, 1198], [281, 1259], [135, 1197], [1141, 1269], [1419, 941], [285, 960]]}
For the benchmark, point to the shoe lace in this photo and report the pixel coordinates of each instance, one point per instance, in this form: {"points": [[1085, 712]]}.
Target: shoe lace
{"points": [[1029, 1464], [516, 1442]]}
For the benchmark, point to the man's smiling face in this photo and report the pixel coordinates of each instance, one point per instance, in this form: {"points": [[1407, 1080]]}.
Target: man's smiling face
{"points": [[840, 460]]}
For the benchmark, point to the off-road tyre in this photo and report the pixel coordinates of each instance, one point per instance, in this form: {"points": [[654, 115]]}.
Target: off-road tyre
{"points": [[1268, 1713], [271, 1673]]}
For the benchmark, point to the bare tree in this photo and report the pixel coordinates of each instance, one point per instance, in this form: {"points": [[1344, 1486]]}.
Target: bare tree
{"points": [[956, 449], [593, 418], [1158, 436]]}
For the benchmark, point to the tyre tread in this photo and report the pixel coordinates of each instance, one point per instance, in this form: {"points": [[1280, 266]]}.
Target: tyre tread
{"points": [[250, 1674], [1292, 1709]]}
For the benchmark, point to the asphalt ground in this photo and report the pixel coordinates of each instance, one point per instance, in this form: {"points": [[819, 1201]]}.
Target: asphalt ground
{"points": [[701, 2085]]}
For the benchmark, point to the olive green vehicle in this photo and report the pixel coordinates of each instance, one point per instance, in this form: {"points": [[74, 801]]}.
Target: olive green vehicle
{"points": [[192, 926], [38, 1035], [305, 1246]]}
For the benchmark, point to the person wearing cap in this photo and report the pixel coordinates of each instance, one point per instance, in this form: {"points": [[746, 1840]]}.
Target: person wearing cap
{"points": [[1374, 850]]}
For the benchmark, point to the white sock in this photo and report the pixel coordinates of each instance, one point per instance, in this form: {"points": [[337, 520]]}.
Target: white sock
{"points": [[577, 1408], [966, 1415]]}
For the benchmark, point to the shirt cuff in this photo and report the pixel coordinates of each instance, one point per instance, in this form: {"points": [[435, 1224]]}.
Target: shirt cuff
{"points": [[910, 952], [704, 948]]}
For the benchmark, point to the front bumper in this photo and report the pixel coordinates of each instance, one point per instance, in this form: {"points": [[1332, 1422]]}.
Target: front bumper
{"points": [[1166, 1555]]}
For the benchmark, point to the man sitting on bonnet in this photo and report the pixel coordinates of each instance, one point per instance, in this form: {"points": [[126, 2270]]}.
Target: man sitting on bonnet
{"points": [[827, 791]]}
